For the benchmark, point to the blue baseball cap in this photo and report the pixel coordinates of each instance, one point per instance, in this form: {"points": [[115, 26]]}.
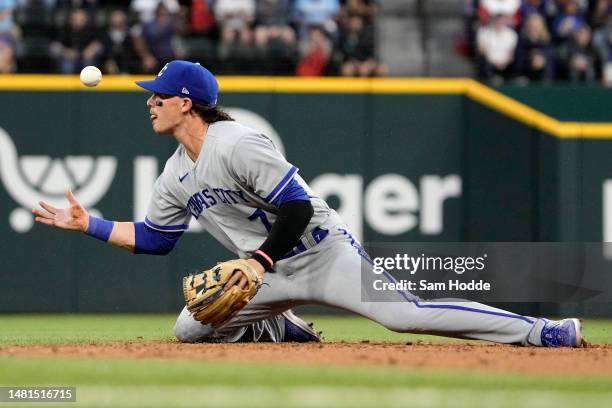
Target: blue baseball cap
{"points": [[185, 79]]}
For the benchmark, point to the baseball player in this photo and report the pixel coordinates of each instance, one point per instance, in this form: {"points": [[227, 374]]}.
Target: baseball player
{"points": [[238, 186]]}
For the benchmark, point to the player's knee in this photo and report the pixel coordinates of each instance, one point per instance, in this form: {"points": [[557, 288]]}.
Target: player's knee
{"points": [[189, 331], [182, 332]]}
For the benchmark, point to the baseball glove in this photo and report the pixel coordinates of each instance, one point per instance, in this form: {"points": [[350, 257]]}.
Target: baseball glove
{"points": [[210, 304]]}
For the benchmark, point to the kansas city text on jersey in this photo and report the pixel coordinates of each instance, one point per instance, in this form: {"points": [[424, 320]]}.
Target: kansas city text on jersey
{"points": [[209, 197]]}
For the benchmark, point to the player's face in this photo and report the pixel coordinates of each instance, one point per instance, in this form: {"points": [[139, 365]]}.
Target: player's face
{"points": [[165, 111]]}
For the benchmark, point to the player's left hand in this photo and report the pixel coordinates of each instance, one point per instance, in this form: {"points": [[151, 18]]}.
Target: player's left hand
{"points": [[239, 278], [208, 300], [73, 218]]}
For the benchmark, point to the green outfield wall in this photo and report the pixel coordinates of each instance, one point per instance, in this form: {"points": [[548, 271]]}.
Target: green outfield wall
{"points": [[401, 161], [583, 103]]}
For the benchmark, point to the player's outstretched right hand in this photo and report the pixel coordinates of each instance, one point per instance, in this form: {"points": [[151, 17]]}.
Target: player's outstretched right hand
{"points": [[73, 218]]}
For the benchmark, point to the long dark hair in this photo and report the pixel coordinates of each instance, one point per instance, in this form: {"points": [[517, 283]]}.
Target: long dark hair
{"points": [[211, 114]]}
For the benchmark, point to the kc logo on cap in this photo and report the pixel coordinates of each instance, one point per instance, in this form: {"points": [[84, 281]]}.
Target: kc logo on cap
{"points": [[185, 79], [162, 70]]}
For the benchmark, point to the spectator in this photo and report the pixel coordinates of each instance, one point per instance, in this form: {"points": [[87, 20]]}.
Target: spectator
{"points": [[315, 53], [581, 56], [581, 5], [77, 46], [496, 43], [7, 23], [272, 23], [601, 10], [235, 19], [90, 6], [117, 53], [319, 13], [7, 55], [356, 46], [154, 42], [36, 17], [275, 39], [262, 32], [366, 9], [567, 22], [602, 42], [501, 7], [48, 5], [10, 36], [544, 8], [534, 51], [146, 9], [507, 8], [201, 18]]}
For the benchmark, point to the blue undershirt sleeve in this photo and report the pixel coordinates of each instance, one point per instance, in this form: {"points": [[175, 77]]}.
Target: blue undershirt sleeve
{"points": [[154, 242], [293, 191]]}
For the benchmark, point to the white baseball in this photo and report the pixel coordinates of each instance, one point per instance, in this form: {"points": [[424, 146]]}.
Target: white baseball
{"points": [[91, 76]]}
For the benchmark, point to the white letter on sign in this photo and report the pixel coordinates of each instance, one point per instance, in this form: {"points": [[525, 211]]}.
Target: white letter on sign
{"points": [[434, 191], [390, 201]]}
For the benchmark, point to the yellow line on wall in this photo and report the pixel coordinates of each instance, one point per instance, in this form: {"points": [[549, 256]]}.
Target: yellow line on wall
{"points": [[341, 85], [246, 84], [469, 87]]}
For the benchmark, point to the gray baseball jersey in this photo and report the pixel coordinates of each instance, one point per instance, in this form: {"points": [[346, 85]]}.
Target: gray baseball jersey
{"points": [[230, 189]]}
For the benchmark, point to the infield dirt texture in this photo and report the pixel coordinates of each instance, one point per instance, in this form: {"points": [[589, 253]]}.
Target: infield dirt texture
{"points": [[131, 361]]}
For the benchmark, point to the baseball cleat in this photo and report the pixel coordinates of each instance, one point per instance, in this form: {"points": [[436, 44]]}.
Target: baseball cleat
{"points": [[562, 333], [298, 330]]}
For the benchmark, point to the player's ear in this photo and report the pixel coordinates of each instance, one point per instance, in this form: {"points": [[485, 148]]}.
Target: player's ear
{"points": [[186, 105]]}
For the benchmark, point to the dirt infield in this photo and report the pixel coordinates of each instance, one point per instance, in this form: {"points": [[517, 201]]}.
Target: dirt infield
{"points": [[595, 359]]}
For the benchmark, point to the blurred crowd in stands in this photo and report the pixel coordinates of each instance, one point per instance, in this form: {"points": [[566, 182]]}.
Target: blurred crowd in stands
{"points": [[268, 37], [541, 40], [522, 41]]}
